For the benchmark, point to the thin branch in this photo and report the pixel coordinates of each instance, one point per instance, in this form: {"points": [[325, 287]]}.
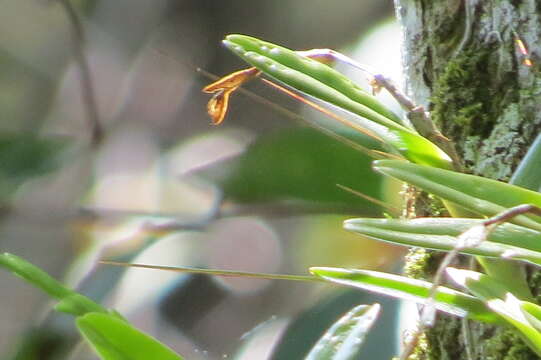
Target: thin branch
{"points": [[88, 93], [417, 115], [511, 213], [470, 238], [420, 119]]}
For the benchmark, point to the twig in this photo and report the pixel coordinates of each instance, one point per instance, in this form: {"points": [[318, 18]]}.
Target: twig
{"points": [[470, 238], [88, 94], [469, 6], [466, 331], [417, 115], [420, 119]]}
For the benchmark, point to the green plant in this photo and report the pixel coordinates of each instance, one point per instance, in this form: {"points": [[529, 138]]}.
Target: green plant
{"points": [[428, 168], [501, 296], [111, 336]]}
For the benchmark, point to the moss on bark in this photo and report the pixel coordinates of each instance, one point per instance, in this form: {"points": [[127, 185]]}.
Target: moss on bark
{"points": [[463, 65]]}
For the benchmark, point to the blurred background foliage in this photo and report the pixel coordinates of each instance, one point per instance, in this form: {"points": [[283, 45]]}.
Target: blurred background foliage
{"points": [[258, 193]]}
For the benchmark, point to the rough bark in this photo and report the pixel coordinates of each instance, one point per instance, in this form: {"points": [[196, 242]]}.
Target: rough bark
{"points": [[463, 63]]}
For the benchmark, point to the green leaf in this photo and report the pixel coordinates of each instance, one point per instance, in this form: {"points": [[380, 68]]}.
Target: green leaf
{"points": [[323, 74], [507, 241], [324, 83], [306, 328], [502, 302], [315, 164], [34, 275], [528, 173], [481, 285], [77, 304], [533, 313], [509, 234], [510, 310], [114, 339], [448, 300], [70, 301], [483, 196], [24, 156], [110, 335], [343, 340]]}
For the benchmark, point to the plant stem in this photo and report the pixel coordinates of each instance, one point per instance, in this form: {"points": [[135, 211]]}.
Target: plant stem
{"points": [[225, 273]]}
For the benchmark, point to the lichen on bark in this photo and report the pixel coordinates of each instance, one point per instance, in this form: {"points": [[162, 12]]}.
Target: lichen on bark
{"points": [[462, 63]]}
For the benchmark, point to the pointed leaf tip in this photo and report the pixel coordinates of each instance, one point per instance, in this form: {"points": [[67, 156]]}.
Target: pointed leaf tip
{"points": [[477, 194], [346, 336]]}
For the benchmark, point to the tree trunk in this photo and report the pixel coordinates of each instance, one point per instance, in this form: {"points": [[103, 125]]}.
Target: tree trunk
{"points": [[464, 64]]}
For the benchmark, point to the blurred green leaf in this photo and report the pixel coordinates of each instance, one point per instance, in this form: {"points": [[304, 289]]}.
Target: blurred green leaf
{"points": [[110, 335], [303, 164], [23, 156], [70, 301], [26, 155], [344, 339], [401, 287], [483, 196], [77, 304], [114, 339], [36, 344], [34, 275]]}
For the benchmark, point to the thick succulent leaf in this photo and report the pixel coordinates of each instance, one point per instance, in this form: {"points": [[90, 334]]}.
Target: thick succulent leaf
{"points": [[448, 300], [324, 83], [501, 301], [506, 241], [532, 312], [115, 339], [527, 176], [343, 340], [70, 301], [509, 234], [483, 196], [242, 44], [481, 285]]}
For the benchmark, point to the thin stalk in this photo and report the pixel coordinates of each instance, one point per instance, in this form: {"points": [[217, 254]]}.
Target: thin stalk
{"points": [[294, 116], [88, 93], [373, 200], [215, 272]]}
